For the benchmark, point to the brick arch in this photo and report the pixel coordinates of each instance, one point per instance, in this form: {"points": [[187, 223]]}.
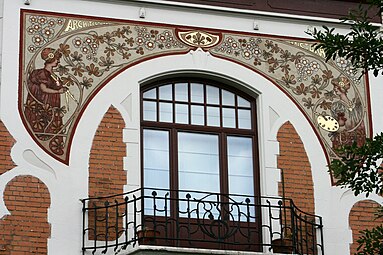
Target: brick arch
{"points": [[362, 217], [6, 143], [26, 230], [294, 163], [106, 169]]}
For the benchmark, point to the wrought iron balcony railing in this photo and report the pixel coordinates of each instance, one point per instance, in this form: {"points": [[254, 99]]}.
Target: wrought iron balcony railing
{"points": [[199, 220]]}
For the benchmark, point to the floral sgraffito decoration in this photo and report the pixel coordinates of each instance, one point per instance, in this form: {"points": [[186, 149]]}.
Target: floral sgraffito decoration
{"points": [[84, 54], [331, 95], [90, 52]]}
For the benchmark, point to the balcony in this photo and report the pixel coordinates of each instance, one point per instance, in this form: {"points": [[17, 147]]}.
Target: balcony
{"points": [[199, 220]]}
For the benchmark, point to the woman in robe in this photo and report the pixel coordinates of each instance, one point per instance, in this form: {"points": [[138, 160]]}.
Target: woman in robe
{"points": [[349, 113], [43, 109]]}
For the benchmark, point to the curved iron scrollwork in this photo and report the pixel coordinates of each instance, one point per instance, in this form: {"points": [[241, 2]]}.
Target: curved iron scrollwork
{"points": [[199, 220]]}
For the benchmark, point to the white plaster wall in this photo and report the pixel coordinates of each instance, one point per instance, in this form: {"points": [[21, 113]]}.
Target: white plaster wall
{"points": [[68, 184]]}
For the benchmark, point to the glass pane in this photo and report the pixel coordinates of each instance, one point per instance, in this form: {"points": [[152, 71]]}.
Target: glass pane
{"points": [[197, 93], [166, 112], [197, 115], [213, 116], [150, 111], [166, 92], [240, 172], [240, 158], [228, 117], [181, 90], [151, 94], [242, 102], [212, 96], [156, 167], [198, 167], [227, 98], [182, 115], [244, 119]]}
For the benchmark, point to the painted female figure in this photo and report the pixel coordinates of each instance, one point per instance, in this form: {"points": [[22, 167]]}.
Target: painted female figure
{"points": [[349, 113], [43, 108]]}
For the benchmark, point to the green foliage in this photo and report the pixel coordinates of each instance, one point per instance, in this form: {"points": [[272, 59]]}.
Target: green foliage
{"points": [[358, 167], [371, 242], [363, 45]]}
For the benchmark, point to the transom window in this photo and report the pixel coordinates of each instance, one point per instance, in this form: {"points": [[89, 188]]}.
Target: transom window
{"points": [[199, 136], [196, 103]]}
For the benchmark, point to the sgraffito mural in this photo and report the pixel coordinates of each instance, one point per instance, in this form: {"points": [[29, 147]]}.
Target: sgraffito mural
{"points": [[66, 60]]}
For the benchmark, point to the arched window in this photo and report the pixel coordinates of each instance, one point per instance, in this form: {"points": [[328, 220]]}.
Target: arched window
{"points": [[199, 135], [200, 164]]}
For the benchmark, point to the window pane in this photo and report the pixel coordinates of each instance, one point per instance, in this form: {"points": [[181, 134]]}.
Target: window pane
{"points": [[151, 94], [240, 165], [240, 172], [182, 115], [197, 93], [243, 102], [150, 111], [213, 116], [156, 167], [198, 166], [181, 90], [156, 158], [244, 119], [228, 117], [227, 98], [166, 112], [197, 115], [212, 96], [166, 92]]}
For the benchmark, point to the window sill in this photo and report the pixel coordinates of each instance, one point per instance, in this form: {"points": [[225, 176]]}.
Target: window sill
{"points": [[165, 250]]}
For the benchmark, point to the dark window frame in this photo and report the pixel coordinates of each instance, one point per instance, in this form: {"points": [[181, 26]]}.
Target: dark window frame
{"points": [[222, 132]]}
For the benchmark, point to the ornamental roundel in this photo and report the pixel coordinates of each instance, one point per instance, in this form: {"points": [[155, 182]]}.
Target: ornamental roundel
{"points": [[198, 39], [66, 60]]}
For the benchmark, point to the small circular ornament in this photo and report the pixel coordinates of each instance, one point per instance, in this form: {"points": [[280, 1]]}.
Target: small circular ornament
{"points": [[328, 123]]}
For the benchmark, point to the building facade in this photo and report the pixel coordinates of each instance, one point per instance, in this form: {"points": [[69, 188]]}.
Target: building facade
{"points": [[185, 127]]}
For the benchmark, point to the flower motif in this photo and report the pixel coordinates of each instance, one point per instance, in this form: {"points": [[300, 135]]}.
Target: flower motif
{"points": [[77, 57], [77, 42], [140, 40], [315, 92], [140, 51], [342, 62], [57, 145], [37, 40], [93, 70], [48, 32], [33, 19], [316, 80], [88, 40], [42, 20], [62, 70], [289, 80], [301, 89], [64, 49], [31, 30], [36, 27], [85, 50], [246, 54], [31, 48], [51, 23], [308, 103], [86, 83], [150, 45], [60, 22], [107, 62], [78, 70]]}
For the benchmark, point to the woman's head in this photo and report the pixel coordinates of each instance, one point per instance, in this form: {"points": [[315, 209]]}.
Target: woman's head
{"points": [[50, 55], [341, 85]]}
